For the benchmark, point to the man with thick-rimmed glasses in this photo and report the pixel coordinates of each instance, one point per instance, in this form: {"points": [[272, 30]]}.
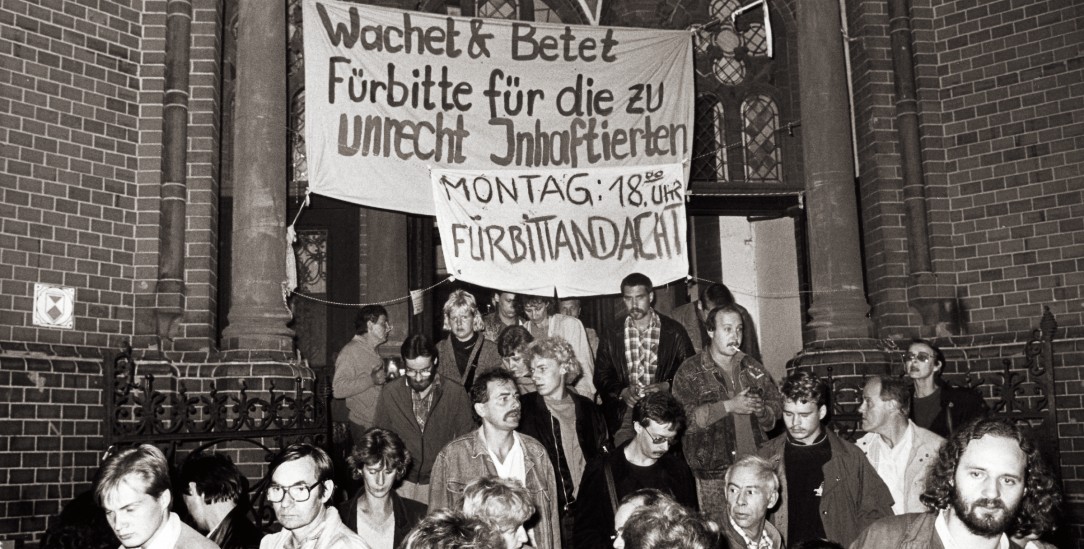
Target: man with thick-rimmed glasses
{"points": [[426, 410], [300, 489], [938, 406], [646, 461]]}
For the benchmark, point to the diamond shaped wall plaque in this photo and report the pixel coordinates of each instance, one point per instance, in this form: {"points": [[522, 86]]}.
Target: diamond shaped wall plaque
{"points": [[54, 306]]}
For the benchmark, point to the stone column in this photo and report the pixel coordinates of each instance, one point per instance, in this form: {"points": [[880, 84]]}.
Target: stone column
{"points": [[258, 316], [838, 306]]}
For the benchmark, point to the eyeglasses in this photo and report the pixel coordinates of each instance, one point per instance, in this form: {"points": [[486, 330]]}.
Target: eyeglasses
{"points": [[921, 357], [418, 374], [660, 440], [298, 492]]}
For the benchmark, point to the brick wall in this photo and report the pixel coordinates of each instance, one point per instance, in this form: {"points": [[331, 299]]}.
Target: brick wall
{"points": [[51, 416], [69, 104]]}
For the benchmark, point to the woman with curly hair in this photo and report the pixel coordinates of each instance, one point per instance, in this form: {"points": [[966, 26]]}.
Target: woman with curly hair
{"points": [[989, 482], [376, 512]]}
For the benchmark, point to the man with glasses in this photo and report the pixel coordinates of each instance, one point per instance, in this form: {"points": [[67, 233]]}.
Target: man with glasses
{"points": [[938, 406], [359, 369], [300, 489], [465, 354], [646, 461], [496, 449], [731, 401], [426, 410], [569, 425]]}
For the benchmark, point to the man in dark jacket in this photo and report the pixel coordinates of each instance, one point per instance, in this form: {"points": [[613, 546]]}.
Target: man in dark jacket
{"points": [[426, 410], [569, 425], [647, 461], [215, 495], [937, 406], [639, 356]]}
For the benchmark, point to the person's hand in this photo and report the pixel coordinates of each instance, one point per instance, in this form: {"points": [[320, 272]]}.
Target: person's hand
{"points": [[378, 375], [630, 396], [745, 403], [663, 386]]}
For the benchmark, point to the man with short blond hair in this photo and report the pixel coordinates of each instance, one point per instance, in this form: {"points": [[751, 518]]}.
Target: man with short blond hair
{"points": [[133, 489]]}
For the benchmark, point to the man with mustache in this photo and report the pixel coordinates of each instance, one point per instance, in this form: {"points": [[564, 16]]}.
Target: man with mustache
{"points": [[937, 405], [637, 356], [496, 449], [426, 410], [830, 490], [731, 401], [989, 482]]}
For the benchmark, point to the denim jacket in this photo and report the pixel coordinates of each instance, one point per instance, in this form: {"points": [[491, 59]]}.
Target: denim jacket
{"points": [[710, 450], [465, 459]]}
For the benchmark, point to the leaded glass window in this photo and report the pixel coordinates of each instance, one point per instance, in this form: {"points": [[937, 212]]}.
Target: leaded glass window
{"points": [[760, 121]]}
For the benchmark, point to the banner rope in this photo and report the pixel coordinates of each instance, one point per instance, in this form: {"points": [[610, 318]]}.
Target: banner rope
{"points": [[286, 291]]}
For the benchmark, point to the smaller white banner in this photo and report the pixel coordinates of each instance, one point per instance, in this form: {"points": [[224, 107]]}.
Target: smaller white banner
{"points": [[578, 232]]}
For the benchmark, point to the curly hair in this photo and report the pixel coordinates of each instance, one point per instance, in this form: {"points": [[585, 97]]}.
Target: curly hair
{"points": [[1042, 499], [447, 529], [503, 502], [556, 348], [805, 386], [668, 527]]}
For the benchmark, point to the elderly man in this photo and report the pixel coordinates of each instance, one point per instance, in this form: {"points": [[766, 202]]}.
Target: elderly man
{"points": [[937, 406], [988, 483], [900, 451], [731, 401], [465, 354], [638, 356], [752, 487], [133, 490], [214, 493], [426, 410], [300, 490], [497, 449], [569, 425], [830, 490], [359, 370]]}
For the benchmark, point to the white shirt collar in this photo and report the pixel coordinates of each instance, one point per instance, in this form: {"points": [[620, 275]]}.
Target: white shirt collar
{"points": [[941, 527]]}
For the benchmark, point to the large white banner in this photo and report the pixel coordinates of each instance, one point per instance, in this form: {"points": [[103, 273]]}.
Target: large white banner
{"points": [[578, 232], [391, 94]]}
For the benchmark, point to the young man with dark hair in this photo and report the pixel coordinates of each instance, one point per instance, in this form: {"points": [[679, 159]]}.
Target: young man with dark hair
{"points": [[989, 482], [216, 500], [731, 401], [359, 370], [426, 410], [830, 490], [496, 449], [133, 489], [646, 461], [900, 451], [301, 487], [512, 346], [637, 356]]}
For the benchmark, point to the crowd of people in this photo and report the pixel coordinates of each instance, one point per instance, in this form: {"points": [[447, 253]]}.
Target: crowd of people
{"points": [[524, 428]]}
